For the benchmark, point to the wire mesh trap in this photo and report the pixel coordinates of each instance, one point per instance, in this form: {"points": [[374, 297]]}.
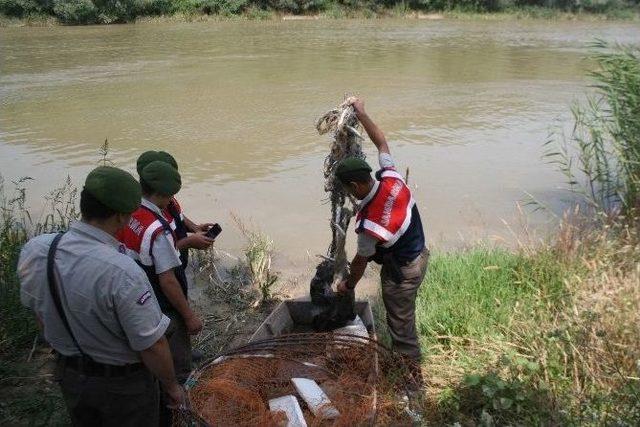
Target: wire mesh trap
{"points": [[365, 382]]}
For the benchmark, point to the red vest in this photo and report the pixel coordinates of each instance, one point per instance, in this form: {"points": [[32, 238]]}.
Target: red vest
{"points": [[386, 212], [177, 208], [142, 231]]}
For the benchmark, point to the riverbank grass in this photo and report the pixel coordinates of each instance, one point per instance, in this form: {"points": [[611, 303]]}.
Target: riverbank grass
{"points": [[542, 336], [474, 293], [28, 393]]}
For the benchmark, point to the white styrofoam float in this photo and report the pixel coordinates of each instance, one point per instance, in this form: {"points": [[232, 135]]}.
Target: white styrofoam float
{"points": [[289, 405], [315, 398]]}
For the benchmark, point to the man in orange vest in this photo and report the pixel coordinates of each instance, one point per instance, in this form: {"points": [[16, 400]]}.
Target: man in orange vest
{"points": [[390, 233]]}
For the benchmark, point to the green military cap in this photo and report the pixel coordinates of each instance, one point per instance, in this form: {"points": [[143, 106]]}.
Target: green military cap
{"points": [[114, 188], [145, 158], [351, 167], [162, 178], [152, 156], [167, 158]]}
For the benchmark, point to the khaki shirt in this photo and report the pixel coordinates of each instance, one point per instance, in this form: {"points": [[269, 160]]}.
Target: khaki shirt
{"points": [[107, 298]]}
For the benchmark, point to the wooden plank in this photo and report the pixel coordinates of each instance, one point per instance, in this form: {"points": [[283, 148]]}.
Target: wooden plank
{"points": [[277, 323]]}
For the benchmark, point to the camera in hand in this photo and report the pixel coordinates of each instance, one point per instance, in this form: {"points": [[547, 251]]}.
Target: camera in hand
{"points": [[214, 231]]}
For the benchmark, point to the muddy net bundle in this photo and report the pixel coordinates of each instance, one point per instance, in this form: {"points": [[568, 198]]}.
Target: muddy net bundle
{"points": [[363, 384], [345, 130]]}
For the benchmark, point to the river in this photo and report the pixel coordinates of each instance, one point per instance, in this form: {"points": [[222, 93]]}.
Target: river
{"points": [[466, 105]]}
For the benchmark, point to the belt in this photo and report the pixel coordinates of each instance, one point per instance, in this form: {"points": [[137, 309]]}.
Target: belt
{"points": [[92, 368]]}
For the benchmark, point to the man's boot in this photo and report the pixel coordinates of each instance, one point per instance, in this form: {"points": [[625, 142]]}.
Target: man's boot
{"points": [[415, 380], [414, 392]]}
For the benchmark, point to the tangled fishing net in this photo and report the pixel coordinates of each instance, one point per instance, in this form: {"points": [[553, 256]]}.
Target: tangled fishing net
{"points": [[346, 136], [363, 380], [345, 131]]}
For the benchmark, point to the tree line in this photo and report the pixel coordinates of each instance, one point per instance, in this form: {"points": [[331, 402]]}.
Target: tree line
{"points": [[120, 11]]}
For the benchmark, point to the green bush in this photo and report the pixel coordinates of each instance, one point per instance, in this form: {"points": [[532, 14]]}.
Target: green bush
{"points": [[17, 323], [158, 7], [224, 7], [297, 6], [472, 293], [75, 11], [116, 11], [25, 8], [106, 11]]}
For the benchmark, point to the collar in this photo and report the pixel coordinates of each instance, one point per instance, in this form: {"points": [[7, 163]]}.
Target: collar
{"points": [[95, 233], [370, 195], [148, 204]]}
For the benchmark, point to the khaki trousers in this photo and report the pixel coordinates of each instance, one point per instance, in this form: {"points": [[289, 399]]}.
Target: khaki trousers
{"points": [[400, 284], [180, 345]]}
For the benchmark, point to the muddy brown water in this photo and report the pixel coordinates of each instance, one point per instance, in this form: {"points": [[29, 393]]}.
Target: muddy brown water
{"points": [[466, 105]]}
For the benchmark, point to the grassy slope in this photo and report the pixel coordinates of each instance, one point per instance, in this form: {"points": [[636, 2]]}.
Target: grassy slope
{"points": [[474, 293], [506, 339]]}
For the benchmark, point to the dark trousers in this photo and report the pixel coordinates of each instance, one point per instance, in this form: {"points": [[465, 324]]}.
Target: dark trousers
{"points": [[180, 345], [124, 401], [400, 284]]}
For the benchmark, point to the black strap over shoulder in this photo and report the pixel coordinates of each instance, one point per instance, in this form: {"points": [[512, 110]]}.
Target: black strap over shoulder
{"points": [[56, 290], [163, 221], [165, 305]]}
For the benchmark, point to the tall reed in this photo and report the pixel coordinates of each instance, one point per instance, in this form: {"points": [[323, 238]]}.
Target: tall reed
{"points": [[601, 156]]}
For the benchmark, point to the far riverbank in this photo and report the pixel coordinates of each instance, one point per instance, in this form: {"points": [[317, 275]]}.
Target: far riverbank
{"points": [[41, 19]]}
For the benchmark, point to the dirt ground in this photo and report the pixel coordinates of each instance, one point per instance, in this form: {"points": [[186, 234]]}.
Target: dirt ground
{"points": [[232, 310]]}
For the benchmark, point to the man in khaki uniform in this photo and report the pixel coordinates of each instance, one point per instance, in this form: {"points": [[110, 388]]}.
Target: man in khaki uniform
{"points": [[98, 311]]}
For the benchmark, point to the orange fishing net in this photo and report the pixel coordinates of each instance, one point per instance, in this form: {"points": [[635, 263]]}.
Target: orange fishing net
{"points": [[364, 381]]}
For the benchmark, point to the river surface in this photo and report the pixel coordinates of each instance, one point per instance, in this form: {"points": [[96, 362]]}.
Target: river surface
{"points": [[466, 107]]}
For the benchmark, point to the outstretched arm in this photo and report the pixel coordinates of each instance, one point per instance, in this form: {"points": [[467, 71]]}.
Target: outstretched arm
{"points": [[375, 133], [358, 265], [366, 249]]}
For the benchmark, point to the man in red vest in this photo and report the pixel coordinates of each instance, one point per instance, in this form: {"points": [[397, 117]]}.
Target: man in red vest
{"points": [[189, 235], [389, 233], [181, 224], [151, 237]]}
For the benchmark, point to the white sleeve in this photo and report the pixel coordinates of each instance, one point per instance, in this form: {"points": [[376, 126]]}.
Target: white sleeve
{"points": [[28, 274], [366, 245], [165, 256], [386, 161]]}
